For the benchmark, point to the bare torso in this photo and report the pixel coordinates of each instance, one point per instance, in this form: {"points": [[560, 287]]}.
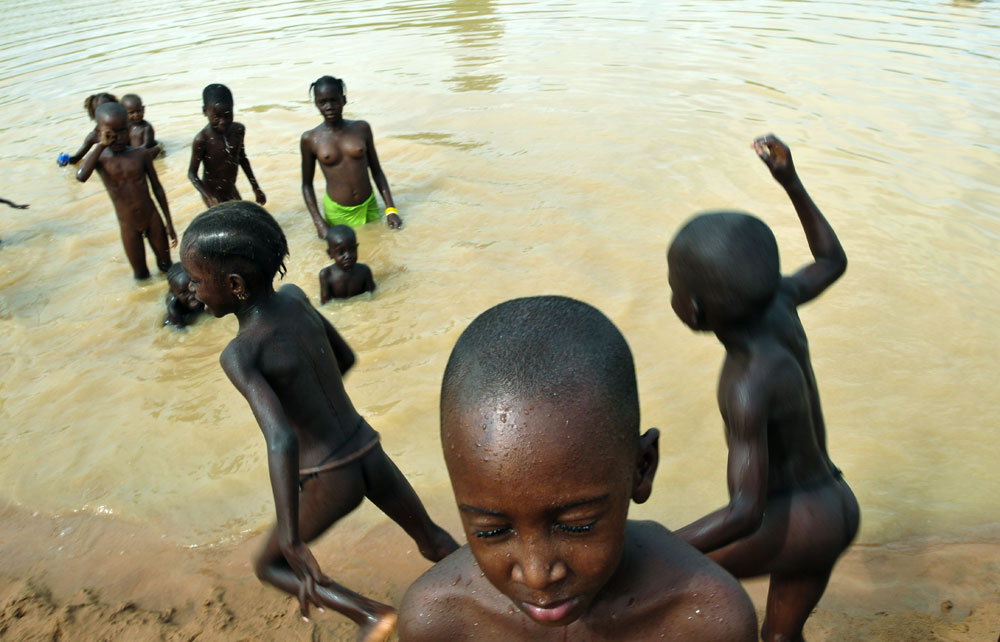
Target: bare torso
{"points": [[124, 176], [220, 159], [342, 153]]}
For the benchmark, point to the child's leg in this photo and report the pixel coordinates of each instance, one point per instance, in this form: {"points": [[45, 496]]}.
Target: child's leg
{"points": [[136, 252], [324, 500], [790, 600], [388, 489], [157, 235]]}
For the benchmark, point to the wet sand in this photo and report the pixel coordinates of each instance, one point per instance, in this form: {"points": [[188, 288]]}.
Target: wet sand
{"points": [[86, 577]]}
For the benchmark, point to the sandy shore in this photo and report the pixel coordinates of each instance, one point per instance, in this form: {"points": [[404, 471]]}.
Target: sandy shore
{"points": [[84, 577]]}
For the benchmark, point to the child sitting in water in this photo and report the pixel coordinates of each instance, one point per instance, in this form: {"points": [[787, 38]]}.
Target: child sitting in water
{"points": [[346, 277], [220, 147], [790, 513], [288, 361], [124, 171], [540, 430], [141, 133], [91, 103], [182, 306]]}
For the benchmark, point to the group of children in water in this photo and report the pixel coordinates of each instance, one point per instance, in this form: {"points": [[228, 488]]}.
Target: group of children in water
{"points": [[539, 414]]}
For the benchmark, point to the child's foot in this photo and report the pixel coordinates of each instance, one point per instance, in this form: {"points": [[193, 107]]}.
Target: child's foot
{"points": [[441, 545], [380, 629]]}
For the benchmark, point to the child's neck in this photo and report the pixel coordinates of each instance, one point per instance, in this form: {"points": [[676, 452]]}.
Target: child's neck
{"points": [[255, 307], [737, 335]]}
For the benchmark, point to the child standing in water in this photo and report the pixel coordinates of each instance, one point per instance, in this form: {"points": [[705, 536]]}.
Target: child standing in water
{"points": [[541, 436], [345, 150], [140, 132], [790, 513], [346, 277], [125, 171], [91, 103], [220, 147], [288, 361]]}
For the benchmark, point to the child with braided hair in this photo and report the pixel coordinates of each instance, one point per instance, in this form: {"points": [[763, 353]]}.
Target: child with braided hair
{"points": [[289, 361]]}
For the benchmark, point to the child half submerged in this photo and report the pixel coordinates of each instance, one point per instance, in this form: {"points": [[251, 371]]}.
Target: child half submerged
{"points": [[140, 131], [540, 430], [182, 306], [289, 362], [790, 513], [346, 277]]}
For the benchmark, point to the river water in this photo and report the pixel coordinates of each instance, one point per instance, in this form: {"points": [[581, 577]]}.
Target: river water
{"points": [[532, 147]]}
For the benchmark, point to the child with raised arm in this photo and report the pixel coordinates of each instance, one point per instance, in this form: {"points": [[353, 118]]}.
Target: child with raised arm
{"points": [[346, 277], [127, 174], [90, 103], [182, 306], [540, 430], [288, 361], [219, 146], [790, 512], [140, 132]]}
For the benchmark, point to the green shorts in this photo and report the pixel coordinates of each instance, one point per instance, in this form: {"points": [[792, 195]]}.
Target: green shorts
{"points": [[337, 214]]}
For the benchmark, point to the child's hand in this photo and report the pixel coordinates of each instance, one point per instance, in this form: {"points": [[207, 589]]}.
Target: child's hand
{"points": [[107, 137], [393, 221], [261, 199], [173, 236], [777, 157], [305, 566]]}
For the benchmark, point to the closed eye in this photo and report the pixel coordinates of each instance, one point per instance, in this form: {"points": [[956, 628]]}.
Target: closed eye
{"points": [[493, 532], [574, 528]]}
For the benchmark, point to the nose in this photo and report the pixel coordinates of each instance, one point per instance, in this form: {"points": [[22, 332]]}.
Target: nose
{"points": [[538, 566]]}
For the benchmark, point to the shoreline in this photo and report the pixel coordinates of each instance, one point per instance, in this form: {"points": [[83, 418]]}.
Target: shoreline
{"points": [[84, 576]]}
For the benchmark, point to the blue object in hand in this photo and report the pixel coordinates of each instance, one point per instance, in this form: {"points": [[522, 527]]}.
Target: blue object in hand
{"points": [[63, 160]]}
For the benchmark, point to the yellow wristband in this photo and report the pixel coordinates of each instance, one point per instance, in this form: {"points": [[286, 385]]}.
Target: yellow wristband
{"points": [[391, 210]]}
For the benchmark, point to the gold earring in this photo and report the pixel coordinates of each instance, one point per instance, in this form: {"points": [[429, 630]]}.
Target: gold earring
{"points": [[242, 296]]}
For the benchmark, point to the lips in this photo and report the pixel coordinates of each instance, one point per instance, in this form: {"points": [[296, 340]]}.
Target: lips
{"points": [[551, 613]]}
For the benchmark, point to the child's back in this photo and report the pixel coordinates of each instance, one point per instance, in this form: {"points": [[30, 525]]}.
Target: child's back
{"points": [[790, 513]]}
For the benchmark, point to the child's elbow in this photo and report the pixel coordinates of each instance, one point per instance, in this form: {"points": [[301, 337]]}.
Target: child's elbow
{"points": [[80, 176]]}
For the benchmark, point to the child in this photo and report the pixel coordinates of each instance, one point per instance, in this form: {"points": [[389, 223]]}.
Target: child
{"points": [[346, 277], [790, 512], [90, 103], [124, 171], [345, 150], [540, 430], [220, 147], [141, 133], [288, 361], [182, 306], [13, 204]]}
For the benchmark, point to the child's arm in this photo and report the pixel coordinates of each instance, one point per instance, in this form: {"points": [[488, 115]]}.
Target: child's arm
{"points": [[308, 191], [325, 289], [149, 137], [370, 282], [88, 142], [13, 204], [245, 164], [197, 153], [283, 465], [93, 159], [381, 182], [746, 429], [831, 261], [174, 316], [161, 196]]}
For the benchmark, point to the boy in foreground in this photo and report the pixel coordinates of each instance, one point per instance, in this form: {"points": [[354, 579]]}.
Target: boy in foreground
{"points": [[540, 430], [125, 171], [790, 512]]}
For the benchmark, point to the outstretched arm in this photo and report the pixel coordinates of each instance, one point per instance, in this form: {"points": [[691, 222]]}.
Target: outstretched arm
{"points": [[308, 191], [13, 204], [831, 261], [282, 463], [197, 153], [88, 142], [746, 426], [245, 164], [161, 197], [381, 182]]}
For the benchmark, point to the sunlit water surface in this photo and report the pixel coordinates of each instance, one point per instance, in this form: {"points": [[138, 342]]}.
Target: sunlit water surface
{"points": [[532, 147]]}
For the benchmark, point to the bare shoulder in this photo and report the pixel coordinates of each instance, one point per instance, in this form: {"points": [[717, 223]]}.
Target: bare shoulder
{"points": [[239, 357], [293, 291], [693, 598], [238, 129], [442, 602]]}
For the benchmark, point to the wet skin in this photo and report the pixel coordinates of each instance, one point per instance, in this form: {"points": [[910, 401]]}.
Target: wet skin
{"points": [[141, 133], [790, 514], [543, 491], [346, 277], [288, 361], [182, 306], [125, 171], [346, 153], [219, 147], [91, 139]]}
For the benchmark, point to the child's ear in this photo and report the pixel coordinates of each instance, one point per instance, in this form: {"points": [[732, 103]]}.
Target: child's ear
{"points": [[647, 460], [699, 314], [238, 286]]}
